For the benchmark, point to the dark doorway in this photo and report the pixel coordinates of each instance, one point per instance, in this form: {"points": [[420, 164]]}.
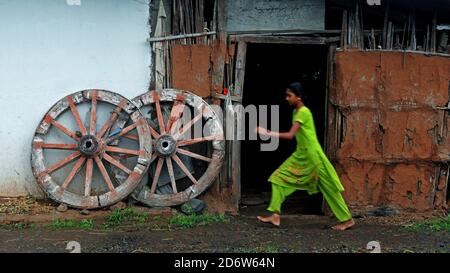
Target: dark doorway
{"points": [[269, 69]]}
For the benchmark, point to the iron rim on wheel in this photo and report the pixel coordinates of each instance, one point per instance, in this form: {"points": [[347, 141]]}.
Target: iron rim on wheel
{"points": [[170, 146], [93, 146]]}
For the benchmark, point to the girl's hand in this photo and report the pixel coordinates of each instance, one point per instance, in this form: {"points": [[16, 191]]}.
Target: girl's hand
{"points": [[262, 131]]}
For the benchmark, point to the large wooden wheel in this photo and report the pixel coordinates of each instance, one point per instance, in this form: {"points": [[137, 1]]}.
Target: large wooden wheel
{"points": [[78, 141], [184, 164]]}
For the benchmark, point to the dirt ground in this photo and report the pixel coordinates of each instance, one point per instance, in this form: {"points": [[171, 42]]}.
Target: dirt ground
{"points": [[241, 234]]}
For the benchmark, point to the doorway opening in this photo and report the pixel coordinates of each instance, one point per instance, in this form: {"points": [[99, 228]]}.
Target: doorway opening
{"points": [[270, 68]]}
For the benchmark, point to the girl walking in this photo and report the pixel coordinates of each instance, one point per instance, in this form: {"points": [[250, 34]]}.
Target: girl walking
{"points": [[307, 168]]}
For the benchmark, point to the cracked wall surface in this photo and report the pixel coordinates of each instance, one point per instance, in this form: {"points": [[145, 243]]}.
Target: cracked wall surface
{"points": [[389, 128]]}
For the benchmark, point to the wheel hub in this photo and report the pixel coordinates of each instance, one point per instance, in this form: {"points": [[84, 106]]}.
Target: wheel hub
{"points": [[166, 145], [89, 145]]}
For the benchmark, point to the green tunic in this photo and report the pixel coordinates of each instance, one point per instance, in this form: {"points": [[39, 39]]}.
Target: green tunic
{"points": [[308, 169], [308, 166]]}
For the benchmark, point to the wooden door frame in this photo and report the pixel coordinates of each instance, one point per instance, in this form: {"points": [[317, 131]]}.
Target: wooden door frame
{"points": [[241, 54]]}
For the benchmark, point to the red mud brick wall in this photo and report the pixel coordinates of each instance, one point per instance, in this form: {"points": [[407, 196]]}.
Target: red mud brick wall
{"points": [[394, 141]]}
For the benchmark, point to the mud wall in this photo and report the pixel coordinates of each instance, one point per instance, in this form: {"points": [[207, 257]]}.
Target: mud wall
{"points": [[388, 126]]}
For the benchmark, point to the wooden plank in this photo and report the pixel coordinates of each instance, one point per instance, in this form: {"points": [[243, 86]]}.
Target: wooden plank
{"points": [[357, 29], [223, 97], [218, 58], [236, 166], [285, 40], [175, 17], [389, 36], [240, 69], [373, 44], [403, 36], [433, 33], [412, 42], [385, 25], [220, 9], [344, 30], [329, 85], [350, 29]]}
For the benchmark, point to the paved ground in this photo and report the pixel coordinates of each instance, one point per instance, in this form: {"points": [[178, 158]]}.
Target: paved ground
{"points": [[298, 233]]}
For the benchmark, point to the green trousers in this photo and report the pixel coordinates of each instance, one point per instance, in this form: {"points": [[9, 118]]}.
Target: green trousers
{"points": [[334, 199]]}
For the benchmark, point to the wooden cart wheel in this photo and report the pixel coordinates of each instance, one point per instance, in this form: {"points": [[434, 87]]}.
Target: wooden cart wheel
{"points": [[176, 147], [72, 159]]}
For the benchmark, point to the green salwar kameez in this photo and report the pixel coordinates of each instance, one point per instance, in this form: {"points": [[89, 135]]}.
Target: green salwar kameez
{"points": [[309, 169]]}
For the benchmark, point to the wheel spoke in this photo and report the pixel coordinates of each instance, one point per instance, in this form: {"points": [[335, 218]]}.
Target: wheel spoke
{"points": [[155, 134], [171, 174], [128, 129], [61, 163], [157, 174], [198, 140], [93, 120], [88, 180], [154, 156], [76, 115], [131, 136], [194, 155], [188, 125], [105, 175], [72, 173], [56, 146], [116, 163], [61, 127], [162, 128], [177, 110], [124, 133], [124, 151], [111, 120], [184, 169]]}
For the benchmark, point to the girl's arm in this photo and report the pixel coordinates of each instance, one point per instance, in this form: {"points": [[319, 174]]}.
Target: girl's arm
{"points": [[288, 135]]}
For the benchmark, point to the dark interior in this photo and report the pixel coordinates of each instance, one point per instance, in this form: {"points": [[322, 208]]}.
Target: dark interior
{"points": [[269, 70]]}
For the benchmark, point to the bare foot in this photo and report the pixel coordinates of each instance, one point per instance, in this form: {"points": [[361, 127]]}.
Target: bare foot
{"points": [[345, 225], [274, 219]]}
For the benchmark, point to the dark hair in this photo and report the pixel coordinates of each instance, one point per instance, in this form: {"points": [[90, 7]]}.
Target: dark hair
{"points": [[297, 89]]}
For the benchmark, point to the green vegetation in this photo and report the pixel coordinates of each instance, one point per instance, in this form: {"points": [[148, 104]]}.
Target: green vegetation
{"points": [[190, 221], [120, 216], [441, 224], [85, 224]]}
